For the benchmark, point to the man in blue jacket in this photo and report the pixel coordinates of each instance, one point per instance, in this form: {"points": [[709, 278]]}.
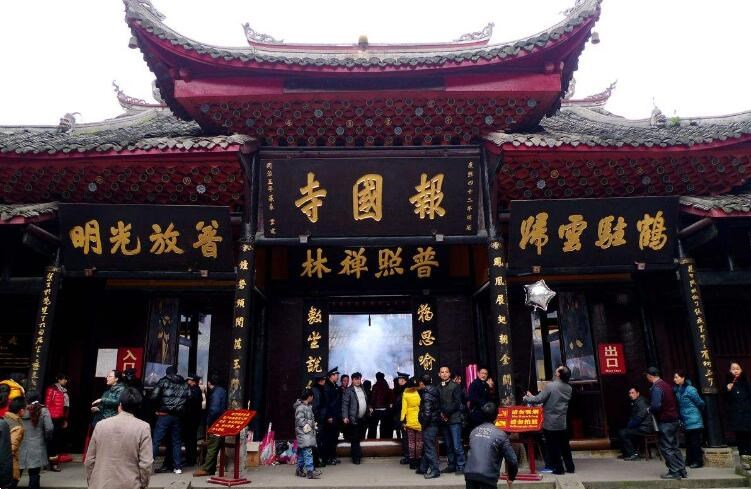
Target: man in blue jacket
{"points": [[215, 406], [639, 424]]}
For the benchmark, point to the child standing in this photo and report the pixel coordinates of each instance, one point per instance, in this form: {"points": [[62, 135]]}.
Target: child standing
{"points": [[305, 432]]}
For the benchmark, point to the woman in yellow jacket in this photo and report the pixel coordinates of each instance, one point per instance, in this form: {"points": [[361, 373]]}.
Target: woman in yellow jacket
{"points": [[410, 410]]}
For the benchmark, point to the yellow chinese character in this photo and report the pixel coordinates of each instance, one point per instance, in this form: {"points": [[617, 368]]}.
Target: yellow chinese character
{"points": [[241, 284], [426, 338], [652, 231], [164, 242], [238, 344], [243, 265], [500, 300], [572, 232], [354, 263], [312, 198], [499, 281], [503, 339], [314, 338], [313, 364], [367, 197], [87, 237], [424, 313], [315, 266], [314, 316], [121, 239], [240, 322], [240, 303], [424, 259], [389, 263], [608, 235], [208, 239], [534, 231], [495, 244], [427, 200], [505, 359], [506, 379], [497, 261], [236, 364], [426, 361], [502, 319]]}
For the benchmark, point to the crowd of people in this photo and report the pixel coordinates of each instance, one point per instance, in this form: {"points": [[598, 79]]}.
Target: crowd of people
{"points": [[417, 411]]}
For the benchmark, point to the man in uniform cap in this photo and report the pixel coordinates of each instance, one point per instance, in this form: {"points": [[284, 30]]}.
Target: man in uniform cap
{"points": [[399, 384], [332, 419]]}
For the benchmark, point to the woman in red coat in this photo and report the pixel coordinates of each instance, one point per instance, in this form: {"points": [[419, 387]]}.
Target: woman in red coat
{"points": [[58, 403]]}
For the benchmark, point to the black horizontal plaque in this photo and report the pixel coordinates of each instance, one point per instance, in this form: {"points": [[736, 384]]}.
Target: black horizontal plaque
{"points": [[146, 237], [339, 197], [593, 232]]}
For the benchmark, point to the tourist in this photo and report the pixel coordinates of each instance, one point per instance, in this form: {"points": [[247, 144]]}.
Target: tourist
{"points": [[216, 404], [664, 407], [488, 446], [381, 401], [480, 393], [345, 383], [106, 406], [6, 455], [192, 419], [451, 418], [305, 434], [400, 382], [57, 400], [37, 425], [330, 428], [691, 406], [4, 401], [739, 408], [15, 424], [319, 411], [170, 396], [354, 412], [410, 419], [120, 455], [555, 398], [640, 423], [15, 382], [430, 420]]}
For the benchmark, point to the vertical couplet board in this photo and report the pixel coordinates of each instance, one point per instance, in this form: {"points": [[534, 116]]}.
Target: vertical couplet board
{"points": [[315, 334], [43, 329], [499, 316], [241, 325], [425, 337]]}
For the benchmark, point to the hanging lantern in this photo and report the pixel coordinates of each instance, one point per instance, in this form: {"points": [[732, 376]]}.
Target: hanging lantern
{"points": [[538, 295]]}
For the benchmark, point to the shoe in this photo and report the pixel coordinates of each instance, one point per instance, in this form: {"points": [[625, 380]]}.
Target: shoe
{"points": [[163, 470], [201, 473], [684, 474], [55, 468], [633, 457], [357, 462], [448, 470], [404, 461], [670, 475], [177, 471], [336, 461], [413, 464], [433, 474], [313, 475], [695, 466], [545, 470], [419, 471]]}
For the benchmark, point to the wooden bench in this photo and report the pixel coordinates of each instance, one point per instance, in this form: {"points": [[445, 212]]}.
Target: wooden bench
{"points": [[649, 441]]}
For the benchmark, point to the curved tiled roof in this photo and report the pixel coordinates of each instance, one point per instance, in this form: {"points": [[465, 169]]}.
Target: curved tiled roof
{"points": [[142, 14], [577, 126], [728, 204], [154, 129]]}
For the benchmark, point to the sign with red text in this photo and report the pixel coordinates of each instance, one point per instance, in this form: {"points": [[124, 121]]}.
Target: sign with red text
{"points": [[612, 359], [130, 358], [518, 419], [231, 422]]}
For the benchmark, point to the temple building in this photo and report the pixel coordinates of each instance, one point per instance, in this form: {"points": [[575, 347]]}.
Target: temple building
{"points": [[280, 201]]}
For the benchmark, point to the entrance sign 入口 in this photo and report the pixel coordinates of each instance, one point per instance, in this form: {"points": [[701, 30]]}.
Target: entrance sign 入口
{"points": [[146, 237], [336, 197], [592, 232]]}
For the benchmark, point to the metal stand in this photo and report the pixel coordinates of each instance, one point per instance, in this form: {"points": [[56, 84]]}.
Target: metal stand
{"points": [[226, 481]]}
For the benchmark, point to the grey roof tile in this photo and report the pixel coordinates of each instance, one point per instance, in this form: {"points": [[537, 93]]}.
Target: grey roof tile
{"points": [[727, 203]]}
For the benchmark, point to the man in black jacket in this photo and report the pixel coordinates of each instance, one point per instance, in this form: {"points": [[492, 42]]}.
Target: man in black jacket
{"points": [[332, 419], [354, 414], [481, 392], [451, 417], [487, 446], [170, 395], [319, 412], [639, 424], [192, 419], [6, 455], [429, 417]]}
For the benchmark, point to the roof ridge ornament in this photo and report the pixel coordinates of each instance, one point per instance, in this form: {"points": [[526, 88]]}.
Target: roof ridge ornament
{"points": [[657, 118], [149, 7], [481, 35], [254, 36], [133, 103], [67, 122], [594, 100]]}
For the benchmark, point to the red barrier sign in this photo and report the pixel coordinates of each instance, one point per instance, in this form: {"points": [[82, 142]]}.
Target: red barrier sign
{"points": [[231, 422], [519, 419], [612, 359], [130, 358]]}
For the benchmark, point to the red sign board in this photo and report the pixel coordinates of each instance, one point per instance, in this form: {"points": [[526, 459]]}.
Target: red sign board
{"points": [[518, 419], [612, 359], [231, 422], [130, 358]]}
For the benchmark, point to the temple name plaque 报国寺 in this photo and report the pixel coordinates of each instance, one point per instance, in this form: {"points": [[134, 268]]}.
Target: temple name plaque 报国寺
{"points": [[146, 237], [338, 197], [592, 232]]}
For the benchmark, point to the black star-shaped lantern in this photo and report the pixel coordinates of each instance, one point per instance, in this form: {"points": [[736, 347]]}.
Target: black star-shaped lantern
{"points": [[538, 295]]}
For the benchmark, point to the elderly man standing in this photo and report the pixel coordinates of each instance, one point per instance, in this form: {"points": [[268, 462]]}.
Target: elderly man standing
{"points": [[664, 407], [120, 453], [555, 397]]}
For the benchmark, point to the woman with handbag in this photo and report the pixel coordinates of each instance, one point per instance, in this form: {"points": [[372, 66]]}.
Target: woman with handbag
{"points": [[691, 406]]}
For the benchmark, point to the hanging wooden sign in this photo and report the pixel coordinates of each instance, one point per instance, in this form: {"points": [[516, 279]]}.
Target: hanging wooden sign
{"points": [[425, 337]]}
